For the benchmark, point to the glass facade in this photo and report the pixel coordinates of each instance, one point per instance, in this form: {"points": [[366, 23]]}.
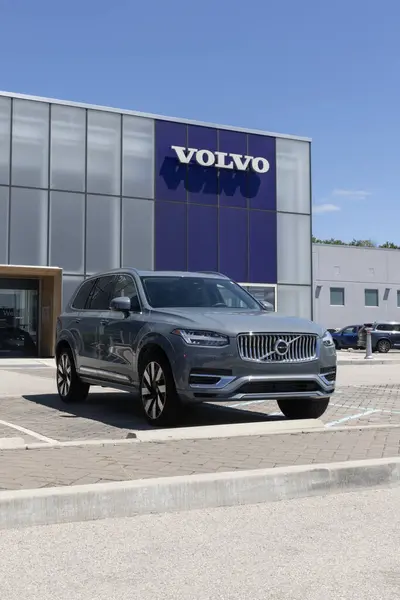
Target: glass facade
{"points": [[89, 189]]}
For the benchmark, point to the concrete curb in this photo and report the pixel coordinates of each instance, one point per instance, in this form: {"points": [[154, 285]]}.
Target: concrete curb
{"points": [[133, 439], [229, 430], [374, 361], [11, 443], [171, 494]]}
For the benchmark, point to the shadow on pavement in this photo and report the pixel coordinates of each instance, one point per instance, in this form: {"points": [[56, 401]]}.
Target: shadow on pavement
{"points": [[123, 410]]}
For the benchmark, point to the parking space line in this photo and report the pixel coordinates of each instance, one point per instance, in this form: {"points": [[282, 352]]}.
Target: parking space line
{"points": [[351, 417], [29, 432]]}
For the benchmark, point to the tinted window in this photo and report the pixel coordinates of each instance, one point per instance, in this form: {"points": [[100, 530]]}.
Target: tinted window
{"points": [[387, 327], [349, 330], [83, 294], [371, 297], [124, 285], [101, 294], [337, 296], [196, 292]]}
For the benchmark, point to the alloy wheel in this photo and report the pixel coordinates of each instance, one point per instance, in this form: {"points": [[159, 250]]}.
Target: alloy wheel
{"points": [[154, 390], [384, 346], [64, 373]]}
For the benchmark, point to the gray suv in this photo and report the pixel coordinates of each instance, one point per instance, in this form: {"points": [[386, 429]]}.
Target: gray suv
{"points": [[178, 338]]}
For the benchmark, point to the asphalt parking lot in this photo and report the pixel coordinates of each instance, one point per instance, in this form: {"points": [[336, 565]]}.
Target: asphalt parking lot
{"points": [[35, 412]]}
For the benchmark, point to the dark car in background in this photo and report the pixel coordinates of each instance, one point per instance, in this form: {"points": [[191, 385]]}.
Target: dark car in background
{"points": [[385, 335], [347, 337]]}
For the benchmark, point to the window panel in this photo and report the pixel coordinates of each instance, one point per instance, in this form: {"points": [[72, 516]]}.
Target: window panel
{"points": [[103, 152], [202, 182], [233, 184], [371, 297], [171, 234], [28, 243], [337, 296], [202, 238], [233, 246], [67, 231], [398, 298], [5, 128], [293, 176], [295, 300], [262, 186], [30, 143], [262, 247], [170, 173], [82, 296], [101, 295], [138, 157], [4, 194], [68, 146], [294, 249], [138, 233], [102, 233]]}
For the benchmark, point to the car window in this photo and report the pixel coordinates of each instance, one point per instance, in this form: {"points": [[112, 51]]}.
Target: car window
{"points": [[350, 330], [124, 285], [386, 327], [100, 296], [230, 298], [81, 297], [196, 292]]}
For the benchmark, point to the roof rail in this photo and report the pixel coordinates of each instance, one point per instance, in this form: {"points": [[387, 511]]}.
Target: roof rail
{"points": [[212, 273]]}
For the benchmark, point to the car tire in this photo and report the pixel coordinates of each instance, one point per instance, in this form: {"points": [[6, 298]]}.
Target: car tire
{"points": [[159, 399], [305, 408], [336, 344], [69, 385], [383, 346]]}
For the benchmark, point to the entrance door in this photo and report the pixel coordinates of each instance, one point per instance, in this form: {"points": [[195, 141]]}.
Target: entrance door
{"points": [[19, 315]]}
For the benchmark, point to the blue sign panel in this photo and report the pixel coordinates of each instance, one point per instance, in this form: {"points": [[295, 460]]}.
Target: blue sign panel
{"points": [[225, 184]]}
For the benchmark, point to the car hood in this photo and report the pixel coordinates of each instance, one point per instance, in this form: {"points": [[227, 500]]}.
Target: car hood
{"points": [[232, 322]]}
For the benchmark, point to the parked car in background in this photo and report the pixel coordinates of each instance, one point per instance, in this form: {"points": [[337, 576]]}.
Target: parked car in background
{"points": [[385, 335], [177, 337], [346, 337]]}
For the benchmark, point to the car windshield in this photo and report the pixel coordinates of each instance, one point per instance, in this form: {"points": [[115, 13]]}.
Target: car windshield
{"points": [[196, 292]]}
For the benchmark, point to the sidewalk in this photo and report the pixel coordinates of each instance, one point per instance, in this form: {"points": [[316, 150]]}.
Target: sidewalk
{"points": [[47, 467], [357, 357]]}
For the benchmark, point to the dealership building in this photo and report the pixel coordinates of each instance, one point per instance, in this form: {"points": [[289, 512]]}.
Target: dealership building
{"points": [[355, 285], [86, 188]]}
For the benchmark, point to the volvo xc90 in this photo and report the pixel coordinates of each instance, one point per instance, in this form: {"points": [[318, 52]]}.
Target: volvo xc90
{"points": [[178, 337]]}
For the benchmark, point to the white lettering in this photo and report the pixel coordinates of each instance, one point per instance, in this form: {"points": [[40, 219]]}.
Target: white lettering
{"points": [[260, 168], [240, 164], [221, 164], [184, 155], [205, 158]]}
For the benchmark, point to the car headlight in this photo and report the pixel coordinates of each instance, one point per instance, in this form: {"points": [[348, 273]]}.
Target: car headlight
{"points": [[327, 339], [202, 338]]}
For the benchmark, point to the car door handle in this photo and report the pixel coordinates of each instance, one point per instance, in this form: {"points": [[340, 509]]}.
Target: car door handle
{"points": [[77, 320], [104, 322]]}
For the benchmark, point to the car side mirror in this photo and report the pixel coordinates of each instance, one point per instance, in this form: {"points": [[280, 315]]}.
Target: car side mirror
{"points": [[267, 305], [121, 304]]}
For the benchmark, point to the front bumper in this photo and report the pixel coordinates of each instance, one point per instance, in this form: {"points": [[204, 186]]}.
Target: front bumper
{"points": [[220, 375], [261, 387]]}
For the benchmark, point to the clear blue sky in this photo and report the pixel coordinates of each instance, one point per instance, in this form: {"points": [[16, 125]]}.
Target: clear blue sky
{"points": [[328, 70]]}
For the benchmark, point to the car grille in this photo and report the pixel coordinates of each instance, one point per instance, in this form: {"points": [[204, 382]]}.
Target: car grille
{"points": [[287, 348]]}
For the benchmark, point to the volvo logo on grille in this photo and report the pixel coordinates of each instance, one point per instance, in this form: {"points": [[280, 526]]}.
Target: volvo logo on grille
{"points": [[281, 347]]}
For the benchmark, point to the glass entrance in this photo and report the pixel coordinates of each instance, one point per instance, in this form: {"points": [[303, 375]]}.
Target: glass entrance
{"points": [[19, 312]]}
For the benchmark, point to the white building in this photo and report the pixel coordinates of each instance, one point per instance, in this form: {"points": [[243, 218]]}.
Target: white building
{"points": [[354, 284]]}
